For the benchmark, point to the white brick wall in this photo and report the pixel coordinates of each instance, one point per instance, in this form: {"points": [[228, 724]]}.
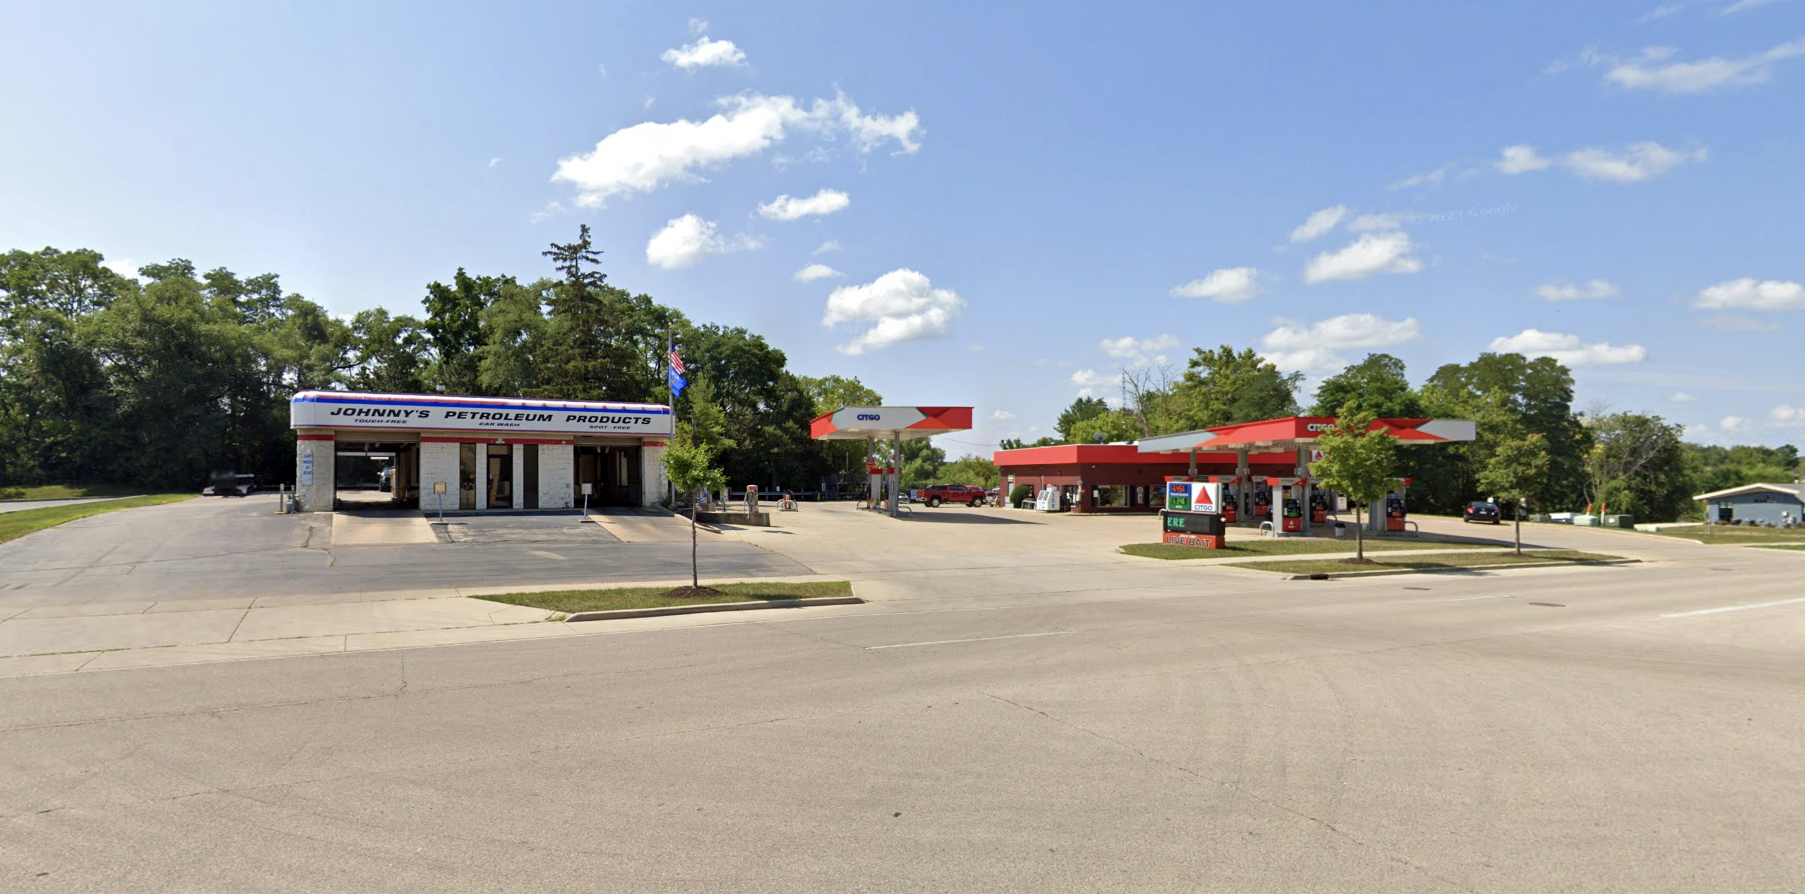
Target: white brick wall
{"points": [[557, 475], [438, 462], [651, 476], [318, 496]]}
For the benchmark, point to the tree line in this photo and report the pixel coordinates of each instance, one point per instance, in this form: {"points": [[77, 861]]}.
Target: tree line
{"points": [[156, 380]]}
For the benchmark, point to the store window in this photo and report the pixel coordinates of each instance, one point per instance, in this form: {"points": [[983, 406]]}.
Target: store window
{"points": [[1109, 496]]}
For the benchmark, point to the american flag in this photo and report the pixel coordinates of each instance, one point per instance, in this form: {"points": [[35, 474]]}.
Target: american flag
{"points": [[677, 363]]}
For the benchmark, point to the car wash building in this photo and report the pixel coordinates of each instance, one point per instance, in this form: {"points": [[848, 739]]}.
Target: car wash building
{"points": [[478, 453]]}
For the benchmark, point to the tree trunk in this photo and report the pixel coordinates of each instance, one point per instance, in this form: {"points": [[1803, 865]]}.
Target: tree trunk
{"points": [[1519, 527], [694, 576], [1359, 534]]}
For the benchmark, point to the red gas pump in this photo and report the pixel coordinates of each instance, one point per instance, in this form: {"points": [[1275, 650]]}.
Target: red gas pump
{"points": [[1319, 509], [1293, 516], [1230, 502], [1262, 503], [1394, 513]]}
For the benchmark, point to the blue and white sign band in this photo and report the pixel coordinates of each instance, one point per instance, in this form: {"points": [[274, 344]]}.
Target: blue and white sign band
{"points": [[328, 409]]}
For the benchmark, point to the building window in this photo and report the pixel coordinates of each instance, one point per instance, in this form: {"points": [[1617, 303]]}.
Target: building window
{"points": [[1109, 496]]}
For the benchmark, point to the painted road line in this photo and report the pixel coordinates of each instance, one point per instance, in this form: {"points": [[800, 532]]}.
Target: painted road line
{"points": [[1733, 608], [1488, 596], [981, 639]]}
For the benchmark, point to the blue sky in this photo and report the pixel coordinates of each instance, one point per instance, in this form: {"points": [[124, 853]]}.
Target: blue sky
{"points": [[1011, 202]]}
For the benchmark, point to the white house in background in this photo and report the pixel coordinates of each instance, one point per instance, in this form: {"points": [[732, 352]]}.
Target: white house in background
{"points": [[1767, 504]]}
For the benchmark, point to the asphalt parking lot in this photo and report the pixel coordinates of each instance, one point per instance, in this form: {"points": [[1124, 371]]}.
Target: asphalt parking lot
{"points": [[1016, 709]]}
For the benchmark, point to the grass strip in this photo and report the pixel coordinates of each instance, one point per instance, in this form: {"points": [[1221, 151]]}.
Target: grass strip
{"points": [[1797, 547], [573, 601], [14, 525], [1733, 535], [1436, 562], [1285, 546], [67, 491]]}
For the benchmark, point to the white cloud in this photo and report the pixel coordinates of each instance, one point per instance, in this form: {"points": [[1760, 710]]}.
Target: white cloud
{"points": [[829, 245], [822, 203], [1635, 163], [1733, 424], [1136, 353], [494, 161], [1521, 159], [601, 69], [645, 156], [705, 53], [1568, 349], [1744, 6], [901, 305], [1430, 179], [1230, 285], [1376, 221], [1316, 361], [1681, 397], [1652, 70], [1360, 330], [1735, 323], [551, 208], [1129, 346], [1318, 223], [816, 271], [1749, 294], [122, 266], [686, 240], [1785, 416], [650, 100], [1371, 253], [1090, 382], [697, 26], [1566, 291], [1001, 415], [974, 347]]}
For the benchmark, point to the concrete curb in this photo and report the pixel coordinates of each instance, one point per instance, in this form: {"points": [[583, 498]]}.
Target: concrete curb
{"points": [[1339, 575], [712, 607]]}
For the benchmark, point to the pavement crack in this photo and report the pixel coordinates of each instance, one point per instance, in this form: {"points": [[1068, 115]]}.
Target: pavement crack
{"points": [[1245, 793]]}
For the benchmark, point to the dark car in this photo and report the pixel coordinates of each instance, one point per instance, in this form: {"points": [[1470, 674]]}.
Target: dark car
{"points": [[1483, 512]]}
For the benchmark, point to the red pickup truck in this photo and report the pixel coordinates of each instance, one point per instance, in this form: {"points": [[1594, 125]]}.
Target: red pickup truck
{"points": [[951, 493]]}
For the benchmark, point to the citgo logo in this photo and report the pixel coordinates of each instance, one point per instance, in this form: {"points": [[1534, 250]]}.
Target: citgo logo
{"points": [[870, 417]]}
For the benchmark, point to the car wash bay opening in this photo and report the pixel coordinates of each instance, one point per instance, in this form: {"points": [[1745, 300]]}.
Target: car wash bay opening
{"points": [[478, 453]]}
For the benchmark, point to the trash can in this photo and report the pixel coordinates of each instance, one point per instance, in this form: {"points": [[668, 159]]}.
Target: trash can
{"points": [[1340, 530]]}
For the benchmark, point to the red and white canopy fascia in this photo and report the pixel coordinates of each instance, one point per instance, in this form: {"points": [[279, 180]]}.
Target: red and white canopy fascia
{"points": [[904, 423], [1293, 432]]}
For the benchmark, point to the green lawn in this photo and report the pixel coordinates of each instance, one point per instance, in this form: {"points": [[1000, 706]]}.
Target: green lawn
{"points": [[1791, 546], [1253, 545], [14, 525], [1424, 563], [1734, 535], [573, 601], [67, 491]]}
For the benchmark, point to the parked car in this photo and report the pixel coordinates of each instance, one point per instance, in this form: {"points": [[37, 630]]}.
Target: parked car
{"points": [[951, 493], [1480, 511], [230, 484]]}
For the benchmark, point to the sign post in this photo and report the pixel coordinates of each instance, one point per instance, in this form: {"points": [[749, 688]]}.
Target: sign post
{"points": [[438, 492], [1193, 513], [586, 488]]}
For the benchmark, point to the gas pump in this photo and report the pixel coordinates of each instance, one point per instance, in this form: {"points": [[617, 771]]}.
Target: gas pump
{"points": [[1390, 519], [1293, 510], [1262, 502], [1230, 497], [1319, 508]]}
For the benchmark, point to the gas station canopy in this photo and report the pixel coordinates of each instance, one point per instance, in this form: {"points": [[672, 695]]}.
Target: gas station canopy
{"points": [[901, 423], [1297, 432]]}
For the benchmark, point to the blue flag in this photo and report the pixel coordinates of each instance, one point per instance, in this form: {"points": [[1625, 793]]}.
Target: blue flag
{"points": [[678, 383]]}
